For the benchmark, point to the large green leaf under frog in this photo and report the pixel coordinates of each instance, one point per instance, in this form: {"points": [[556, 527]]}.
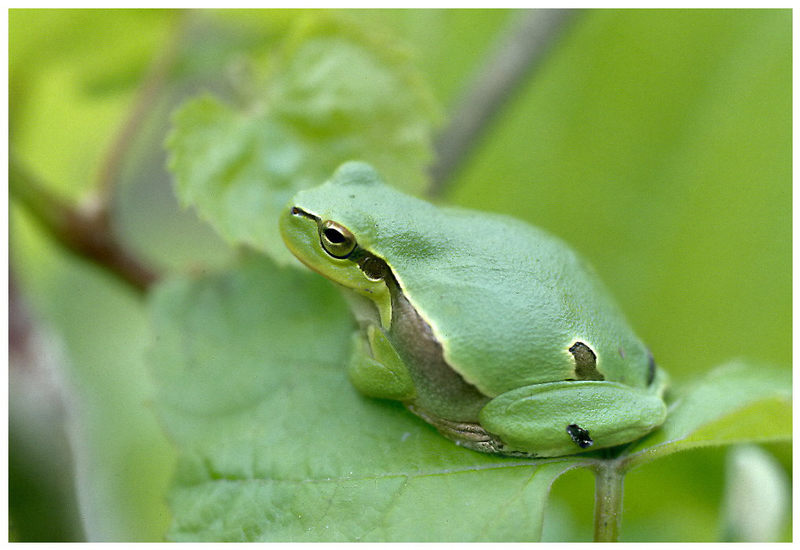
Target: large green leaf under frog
{"points": [[275, 444]]}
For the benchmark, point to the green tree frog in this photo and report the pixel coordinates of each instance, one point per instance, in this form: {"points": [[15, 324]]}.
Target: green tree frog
{"points": [[491, 330]]}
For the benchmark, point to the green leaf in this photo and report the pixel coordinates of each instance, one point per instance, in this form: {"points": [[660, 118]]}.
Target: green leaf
{"points": [[275, 444], [331, 94], [736, 402]]}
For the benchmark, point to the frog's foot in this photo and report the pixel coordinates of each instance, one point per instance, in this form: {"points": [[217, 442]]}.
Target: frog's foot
{"points": [[470, 435], [375, 368]]}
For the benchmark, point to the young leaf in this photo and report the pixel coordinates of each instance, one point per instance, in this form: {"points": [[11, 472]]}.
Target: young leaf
{"points": [[331, 94], [734, 403], [275, 444]]}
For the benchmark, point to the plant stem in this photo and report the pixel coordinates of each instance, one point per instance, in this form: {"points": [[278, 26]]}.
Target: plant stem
{"points": [[607, 501], [84, 231], [146, 96], [518, 51]]}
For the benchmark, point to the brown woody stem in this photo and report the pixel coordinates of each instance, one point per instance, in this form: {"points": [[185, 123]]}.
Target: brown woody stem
{"points": [[85, 231]]}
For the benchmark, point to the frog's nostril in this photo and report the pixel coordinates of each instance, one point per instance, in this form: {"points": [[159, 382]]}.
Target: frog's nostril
{"points": [[297, 211]]}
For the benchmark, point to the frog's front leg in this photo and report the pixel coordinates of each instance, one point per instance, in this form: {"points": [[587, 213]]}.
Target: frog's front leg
{"points": [[564, 418], [375, 368]]}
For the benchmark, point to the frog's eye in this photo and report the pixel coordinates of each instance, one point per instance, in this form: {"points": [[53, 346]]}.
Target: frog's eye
{"points": [[336, 239]]}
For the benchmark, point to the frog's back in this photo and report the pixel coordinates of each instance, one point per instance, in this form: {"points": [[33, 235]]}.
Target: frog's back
{"points": [[509, 301], [506, 300]]}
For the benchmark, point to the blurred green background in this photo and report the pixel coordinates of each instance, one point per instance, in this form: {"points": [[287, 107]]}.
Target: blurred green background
{"points": [[658, 143]]}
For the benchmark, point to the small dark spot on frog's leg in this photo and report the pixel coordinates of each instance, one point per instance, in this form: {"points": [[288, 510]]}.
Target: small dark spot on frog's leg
{"points": [[651, 368], [580, 436], [585, 362]]}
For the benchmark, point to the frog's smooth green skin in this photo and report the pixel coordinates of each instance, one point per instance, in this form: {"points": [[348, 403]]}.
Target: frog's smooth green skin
{"points": [[490, 329]]}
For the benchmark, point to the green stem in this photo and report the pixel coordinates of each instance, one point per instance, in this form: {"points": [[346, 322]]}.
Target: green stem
{"points": [[146, 97], [517, 53], [607, 501]]}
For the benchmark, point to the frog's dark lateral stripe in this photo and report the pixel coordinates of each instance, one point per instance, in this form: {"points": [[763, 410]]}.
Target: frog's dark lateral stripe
{"points": [[416, 343]]}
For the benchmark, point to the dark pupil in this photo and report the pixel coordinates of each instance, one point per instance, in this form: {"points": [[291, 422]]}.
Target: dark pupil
{"points": [[334, 236]]}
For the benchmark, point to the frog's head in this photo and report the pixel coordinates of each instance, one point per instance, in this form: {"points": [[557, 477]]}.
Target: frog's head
{"points": [[327, 228]]}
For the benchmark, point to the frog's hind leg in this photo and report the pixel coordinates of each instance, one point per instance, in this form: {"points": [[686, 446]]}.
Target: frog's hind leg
{"points": [[568, 417]]}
